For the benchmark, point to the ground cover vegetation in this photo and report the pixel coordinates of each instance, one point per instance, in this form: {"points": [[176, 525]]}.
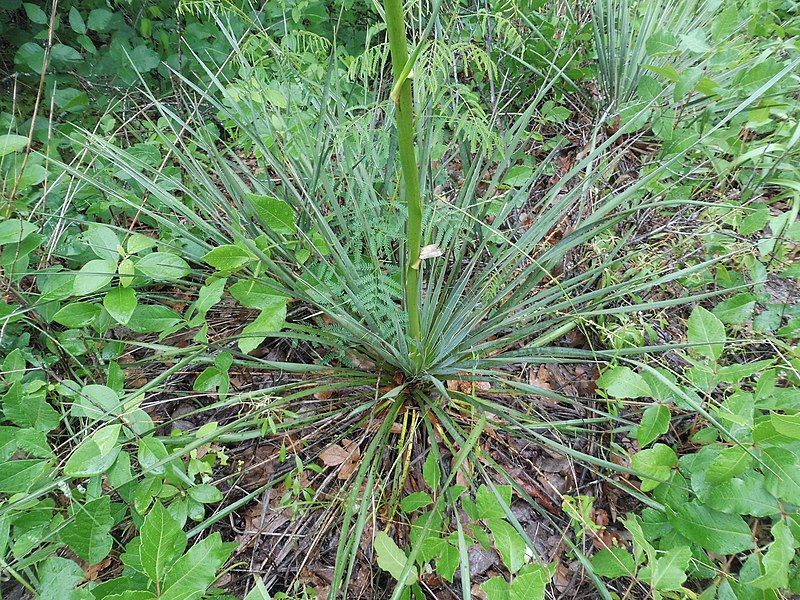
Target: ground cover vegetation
{"points": [[348, 299]]}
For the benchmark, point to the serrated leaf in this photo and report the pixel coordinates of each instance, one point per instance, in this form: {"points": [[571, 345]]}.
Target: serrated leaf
{"points": [[88, 531], [392, 559], [655, 422]]}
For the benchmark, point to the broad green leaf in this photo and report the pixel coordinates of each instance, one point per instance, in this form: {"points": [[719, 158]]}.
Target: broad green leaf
{"points": [[270, 320], [34, 443], [94, 275], [162, 542], [707, 333], [736, 310], [496, 588], [77, 314], [163, 266], [103, 241], [788, 425], [661, 42], [695, 41], [776, 561], [205, 494], [654, 465], [641, 545], [448, 562], [275, 214], [9, 143], [623, 382], [120, 303], [97, 402], [13, 368], [509, 544], [192, 573], [208, 296], [669, 571], [782, 475], [392, 559], [126, 270], [530, 583], [745, 495], [35, 13], [31, 56], [57, 577], [151, 452], [76, 21], [17, 476], [153, 318], [13, 231], [95, 454], [614, 562], [253, 294], [87, 533], [259, 591], [138, 242], [431, 472], [99, 19], [729, 463], [415, 501], [228, 258], [486, 503], [29, 409], [655, 422], [713, 530]]}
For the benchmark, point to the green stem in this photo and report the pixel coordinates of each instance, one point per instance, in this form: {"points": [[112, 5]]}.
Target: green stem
{"points": [[404, 121]]}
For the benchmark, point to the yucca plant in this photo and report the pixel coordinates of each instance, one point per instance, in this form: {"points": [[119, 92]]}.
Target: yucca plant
{"points": [[416, 319]]}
